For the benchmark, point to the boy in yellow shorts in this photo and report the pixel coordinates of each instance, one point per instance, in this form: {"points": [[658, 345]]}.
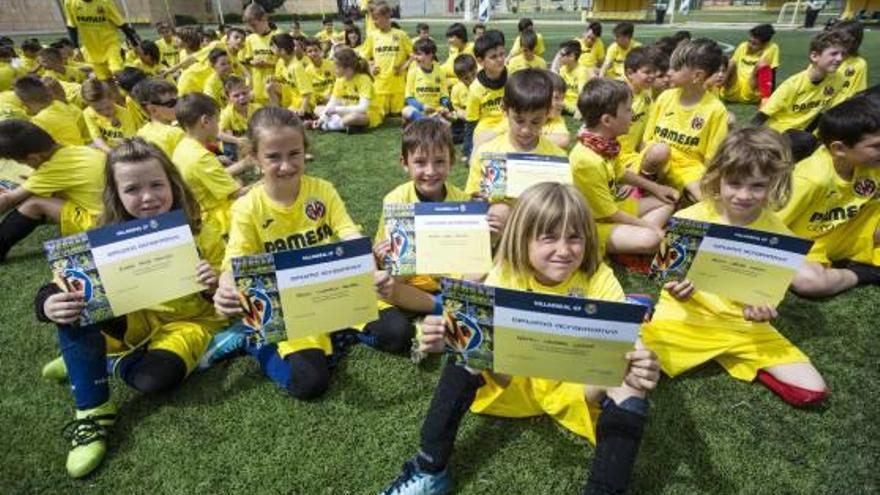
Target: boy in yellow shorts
{"points": [[686, 121], [751, 73], [258, 53], [92, 26], [574, 74], [388, 51], [486, 93], [836, 201], [427, 90], [320, 70], [65, 187], [617, 52]]}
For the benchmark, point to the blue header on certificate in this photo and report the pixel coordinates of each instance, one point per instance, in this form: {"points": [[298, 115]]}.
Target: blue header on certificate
{"points": [[451, 208], [135, 228], [570, 306], [759, 238], [322, 254], [531, 157]]}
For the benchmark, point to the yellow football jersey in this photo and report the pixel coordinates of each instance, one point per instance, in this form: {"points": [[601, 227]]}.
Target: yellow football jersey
{"points": [[11, 107], [350, 91], [322, 76], [615, 57], [484, 105], [502, 144], [210, 183], [258, 48], [449, 63], [295, 81], [797, 101], [427, 86], [74, 173], [539, 46], [855, 74], [97, 22], [233, 122], [104, 128], [165, 136], [641, 106], [705, 308], [591, 56], [459, 96], [193, 78], [821, 200], [8, 75], [600, 285], [64, 122], [519, 63], [575, 78], [693, 134], [742, 90], [169, 55], [597, 178], [388, 50]]}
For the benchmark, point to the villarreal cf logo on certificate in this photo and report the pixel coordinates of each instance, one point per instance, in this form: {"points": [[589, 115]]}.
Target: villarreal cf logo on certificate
{"points": [[463, 332], [494, 178]]}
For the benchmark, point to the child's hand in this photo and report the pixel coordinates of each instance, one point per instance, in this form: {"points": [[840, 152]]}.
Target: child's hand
{"points": [[666, 194], [643, 371], [760, 313], [381, 252], [206, 275], [64, 308], [384, 283], [682, 290], [226, 300], [431, 337]]}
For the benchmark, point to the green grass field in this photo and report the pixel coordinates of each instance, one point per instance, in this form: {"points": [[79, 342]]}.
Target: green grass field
{"points": [[229, 430]]}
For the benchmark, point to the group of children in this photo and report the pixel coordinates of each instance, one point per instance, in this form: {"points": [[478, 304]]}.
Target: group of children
{"points": [[219, 130]]}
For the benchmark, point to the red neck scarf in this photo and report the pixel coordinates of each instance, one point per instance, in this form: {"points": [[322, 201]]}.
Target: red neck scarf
{"points": [[606, 148]]}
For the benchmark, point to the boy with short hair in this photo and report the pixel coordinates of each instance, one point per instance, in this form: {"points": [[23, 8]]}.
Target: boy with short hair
{"points": [[592, 47], [625, 223], [478, 31], [159, 97], [639, 71], [802, 97], [835, 201], [527, 56], [487, 91], [169, 54], [612, 68], [457, 41], [388, 50], [212, 185], [149, 58], [320, 70], [465, 67], [328, 35], [235, 115], [751, 73], [65, 187], [522, 26], [427, 92], [854, 68], [63, 121], [574, 74], [258, 53], [8, 73], [30, 48], [218, 58]]}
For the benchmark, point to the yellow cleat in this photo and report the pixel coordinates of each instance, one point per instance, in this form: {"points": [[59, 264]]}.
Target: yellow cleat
{"points": [[87, 435], [55, 370]]}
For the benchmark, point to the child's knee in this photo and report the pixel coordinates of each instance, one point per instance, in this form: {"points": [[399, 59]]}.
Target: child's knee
{"points": [[656, 155], [158, 371], [309, 374], [393, 331], [809, 280]]}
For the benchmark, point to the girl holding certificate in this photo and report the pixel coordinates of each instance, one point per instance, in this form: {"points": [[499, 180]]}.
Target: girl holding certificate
{"points": [[750, 174], [549, 246], [152, 350], [287, 211]]}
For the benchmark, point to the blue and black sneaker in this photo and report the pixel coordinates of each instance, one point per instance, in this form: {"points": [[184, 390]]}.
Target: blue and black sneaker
{"points": [[226, 344], [414, 481]]}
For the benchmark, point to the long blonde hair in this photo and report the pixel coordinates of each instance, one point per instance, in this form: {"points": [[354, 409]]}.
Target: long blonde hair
{"points": [[751, 152], [136, 150], [547, 208]]}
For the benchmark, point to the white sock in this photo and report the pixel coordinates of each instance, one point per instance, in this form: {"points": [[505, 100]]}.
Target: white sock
{"points": [[334, 123]]}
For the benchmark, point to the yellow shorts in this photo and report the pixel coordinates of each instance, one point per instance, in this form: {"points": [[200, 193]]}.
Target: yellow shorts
{"points": [[186, 339], [630, 205], [633, 159], [112, 62], [527, 397], [740, 92], [317, 342], [75, 219], [678, 173], [854, 240], [376, 119], [390, 103], [219, 218], [683, 347]]}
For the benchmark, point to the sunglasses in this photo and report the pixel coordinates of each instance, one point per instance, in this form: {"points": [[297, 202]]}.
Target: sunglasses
{"points": [[167, 104]]}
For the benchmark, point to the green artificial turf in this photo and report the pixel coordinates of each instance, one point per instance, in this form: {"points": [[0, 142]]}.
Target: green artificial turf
{"points": [[229, 430]]}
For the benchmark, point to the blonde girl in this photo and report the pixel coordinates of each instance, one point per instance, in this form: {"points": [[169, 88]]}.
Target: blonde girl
{"points": [[152, 350], [746, 181], [550, 246]]}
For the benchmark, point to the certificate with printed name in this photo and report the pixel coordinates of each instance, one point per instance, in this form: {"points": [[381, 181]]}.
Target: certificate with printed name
{"points": [[126, 267], [507, 175], [13, 174], [540, 335], [307, 292], [437, 238], [750, 266]]}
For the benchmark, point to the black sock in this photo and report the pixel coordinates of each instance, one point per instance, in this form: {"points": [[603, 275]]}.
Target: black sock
{"points": [[13, 229], [866, 274], [618, 435], [453, 396]]}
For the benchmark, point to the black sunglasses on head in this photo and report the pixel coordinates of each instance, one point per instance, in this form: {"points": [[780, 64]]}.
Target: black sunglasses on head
{"points": [[168, 104]]}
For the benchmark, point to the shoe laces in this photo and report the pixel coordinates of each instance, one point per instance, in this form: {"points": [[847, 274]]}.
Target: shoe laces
{"points": [[84, 431], [407, 477]]}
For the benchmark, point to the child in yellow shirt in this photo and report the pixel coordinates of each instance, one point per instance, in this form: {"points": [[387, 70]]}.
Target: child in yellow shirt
{"points": [[592, 48], [219, 60], [527, 58], [751, 74], [574, 74], [8, 73], [65, 186], [687, 123], [320, 70], [854, 68], [427, 91], [169, 53], [549, 247], [612, 67], [92, 25], [291, 86], [30, 49], [287, 211], [457, 44], [258, 51], [63, 121], [487, 91], [235, 116], [835, 201], [159, 97], [107, 122], [353, 102], [748, 178], [388, 51], [626, 223], [465, 67], [212, 185], [526, 24]]}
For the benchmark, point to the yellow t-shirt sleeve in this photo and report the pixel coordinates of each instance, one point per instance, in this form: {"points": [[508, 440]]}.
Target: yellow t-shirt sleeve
{"points": [[591, 180], [215, 178], [780, 98], [717, 133], [243, 237], [112, 13], [410, 84], [92, 126], [604, 285], [340, 221], [303, 80], [802, 192], [772, 57], [472, 111]]}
